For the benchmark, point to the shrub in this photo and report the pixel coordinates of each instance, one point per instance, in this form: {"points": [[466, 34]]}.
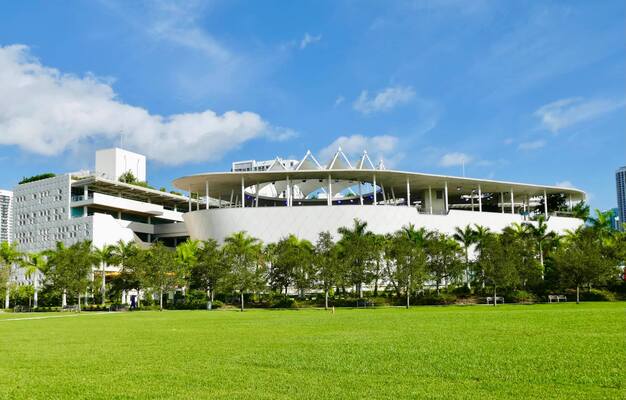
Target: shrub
{"points": [[595, 295], [522, 296], [283, 302], [217, 304], [436, 299]]}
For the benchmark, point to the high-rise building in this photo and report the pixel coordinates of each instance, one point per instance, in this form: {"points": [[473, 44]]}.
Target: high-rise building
{"points": [[6, 215], [620, 183]]}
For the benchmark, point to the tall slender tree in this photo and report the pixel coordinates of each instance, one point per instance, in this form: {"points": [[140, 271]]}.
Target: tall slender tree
{"points": [[209, 270], [104, 256], [466, 237], [34, 265], [243, 254], [356, 248], [325, 263]]}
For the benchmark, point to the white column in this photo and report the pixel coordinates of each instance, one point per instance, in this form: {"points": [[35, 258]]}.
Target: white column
{"points": [[288, 192], [480, 199], [329, 192], [219, 201], [570, 203], [375, 190], [243, 193], [206, 189], [512, 202], [545, 203], [430, 198], [232, 194], [408, 192], [502, 201], [393, 196], [382, 188], [190, 199], [361, 192], [256, 191], [446, 195]]}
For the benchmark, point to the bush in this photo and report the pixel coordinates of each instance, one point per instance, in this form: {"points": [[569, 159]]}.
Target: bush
{"points": [[283, 302], [522, 296], [217, 304], [594, 295], [436, 299]]}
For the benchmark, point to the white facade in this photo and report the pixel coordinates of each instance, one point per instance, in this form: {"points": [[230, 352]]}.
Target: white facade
{"points": [[6, 215], [270, 224], [112, 163]]}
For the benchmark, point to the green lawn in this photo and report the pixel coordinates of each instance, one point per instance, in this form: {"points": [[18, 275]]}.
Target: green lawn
{"points": [[541, 351]]}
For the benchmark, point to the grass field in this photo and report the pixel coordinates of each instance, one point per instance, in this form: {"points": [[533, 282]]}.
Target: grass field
{"points": [[541, 351]]}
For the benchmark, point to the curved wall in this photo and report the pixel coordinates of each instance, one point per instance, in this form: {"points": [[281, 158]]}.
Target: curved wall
{"points": [[270, 224]]}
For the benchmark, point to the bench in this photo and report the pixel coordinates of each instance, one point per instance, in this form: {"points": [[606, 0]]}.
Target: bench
{"points": [[73, 307], [557, 297], [497, 299]]}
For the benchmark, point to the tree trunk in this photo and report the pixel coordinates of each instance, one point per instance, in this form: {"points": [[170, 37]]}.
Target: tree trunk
{"points": [[78, 303], [467, 282], [36, 294], [103, 288], [408, 297], [161, 300], [242, 300], [543, 271], [494, 296], [86, 297], [577, 294], [64, 298], [7, 298], [326, 299], [209, 305]]}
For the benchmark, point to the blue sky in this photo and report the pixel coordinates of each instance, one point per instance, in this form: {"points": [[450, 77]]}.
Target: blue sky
{"points": [[521, 91]]}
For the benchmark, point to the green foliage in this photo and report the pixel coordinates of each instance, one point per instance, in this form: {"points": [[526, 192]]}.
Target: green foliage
{"points": [[522, 296], [129, 178], [36, 178], [597, 295]]}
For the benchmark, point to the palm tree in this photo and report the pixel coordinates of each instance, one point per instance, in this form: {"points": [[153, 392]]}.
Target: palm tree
{"points": [[243, 253], [541, 235], [481, 234], [9, 256], [601, 224], [418, 236], [121, 253], [581, 210], [187, 256], [467, 237], [356, 244], [105, 257], [34, 264]]}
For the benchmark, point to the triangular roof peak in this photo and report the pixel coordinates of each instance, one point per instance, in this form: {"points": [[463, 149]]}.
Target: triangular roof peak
{"points": [[365, 162], [339, 161], [308, 162], [277, 165], [381, 164]]}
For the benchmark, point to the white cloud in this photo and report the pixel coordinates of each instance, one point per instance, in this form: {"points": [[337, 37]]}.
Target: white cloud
{"points": [[532, 145], [567, 112], [384, 100], [309, 39], [339, 100], [378, 147], [455, 159], [565, 184], [45, 111]]}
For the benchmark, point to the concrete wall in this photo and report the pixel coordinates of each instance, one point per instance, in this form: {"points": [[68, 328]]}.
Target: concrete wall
{"points": [[112, 163], [270, 224]]}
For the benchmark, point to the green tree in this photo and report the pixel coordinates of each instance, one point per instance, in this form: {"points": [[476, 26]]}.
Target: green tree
{"points": [[9, 258], [34, 265], [159, 269], [243, 254], [357, 253], [104, 255], [409, 263], [292, 264], [121, 253], [481, 233], [325, 263], [210, 269], [584, 260], [543, 237], [466, 237], [581, 210], [187, 256], [497, 260], [69, 267], [444, 259]]}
